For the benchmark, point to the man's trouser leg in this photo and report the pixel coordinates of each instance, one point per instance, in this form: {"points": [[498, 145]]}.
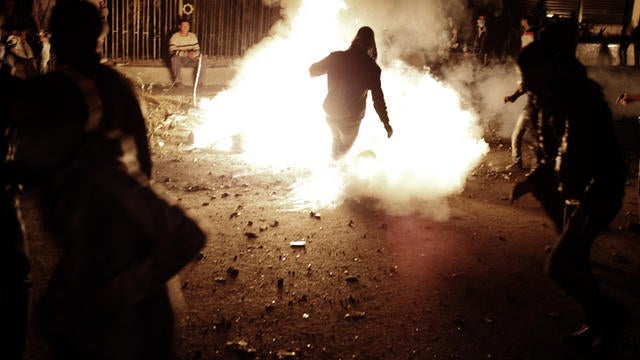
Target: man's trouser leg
{"points": [[569, 264], [518, 135], [344, 132], [177, 63]]}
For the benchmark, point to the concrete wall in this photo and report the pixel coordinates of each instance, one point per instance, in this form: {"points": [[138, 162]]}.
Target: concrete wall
{"points": [[159, 75]]}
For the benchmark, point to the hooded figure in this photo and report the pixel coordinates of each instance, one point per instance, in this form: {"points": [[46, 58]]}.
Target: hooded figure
{"points": [[351, 74]]}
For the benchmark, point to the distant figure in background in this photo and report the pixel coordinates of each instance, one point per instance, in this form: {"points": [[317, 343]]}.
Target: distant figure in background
{"points": [[635, 40], [625, 99], [481, 42], [528, 34], [104, 13], [185, 51], [525, 120], [579, 181], [45, 64], [41, 12], [625, 41], [605, 58], [448, 40], [19, 56], [351, 74]]}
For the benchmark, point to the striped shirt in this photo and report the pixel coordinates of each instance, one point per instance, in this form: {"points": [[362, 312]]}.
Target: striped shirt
{"points": [[179, 44]]}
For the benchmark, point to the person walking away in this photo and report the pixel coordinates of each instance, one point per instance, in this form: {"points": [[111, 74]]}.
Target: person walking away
{"points": [[351, 74]]}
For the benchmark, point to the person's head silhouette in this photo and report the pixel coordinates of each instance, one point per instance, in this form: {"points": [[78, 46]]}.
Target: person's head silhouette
{"points": [[75, 28], [365, 41]]}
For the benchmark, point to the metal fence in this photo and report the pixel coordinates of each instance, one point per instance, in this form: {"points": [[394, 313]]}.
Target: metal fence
{"points": [[139, 30]]}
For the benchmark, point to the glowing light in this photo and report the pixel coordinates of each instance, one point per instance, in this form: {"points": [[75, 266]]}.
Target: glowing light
{"points": [[274, 109]]}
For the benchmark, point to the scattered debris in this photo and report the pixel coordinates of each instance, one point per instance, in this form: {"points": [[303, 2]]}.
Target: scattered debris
{"points": [[351, 224], [355, 315], [285, 354], [220, 280], [298, 244], [305, 316], [233, 272], [234, 215], [241, 346], [315, 215], [194, 188], [270, 306], [280, 283], [250, 235], [352, 279]]}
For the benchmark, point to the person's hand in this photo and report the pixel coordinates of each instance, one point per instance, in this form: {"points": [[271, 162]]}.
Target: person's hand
{"points": [[389, 130], [192, 54], [520, 189], [506, 99], [622, 99]]}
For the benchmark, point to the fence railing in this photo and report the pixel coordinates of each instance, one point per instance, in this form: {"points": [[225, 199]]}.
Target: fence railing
{"points": [[139, 30]]}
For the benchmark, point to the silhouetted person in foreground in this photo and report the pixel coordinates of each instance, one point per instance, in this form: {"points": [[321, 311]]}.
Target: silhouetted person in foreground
{"points": [[83, 143], [579, 182], [14, 260], [350, 75]]}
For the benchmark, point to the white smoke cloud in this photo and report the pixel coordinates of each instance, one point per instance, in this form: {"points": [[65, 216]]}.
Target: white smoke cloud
{"points": [[275, 107]]}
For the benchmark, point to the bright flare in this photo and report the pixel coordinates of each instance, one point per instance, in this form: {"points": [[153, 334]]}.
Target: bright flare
{"points": [[275, 110]]}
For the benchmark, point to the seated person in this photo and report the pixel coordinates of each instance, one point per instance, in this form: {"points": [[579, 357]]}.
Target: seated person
{"points": [[19, 56], [185, 51]]}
